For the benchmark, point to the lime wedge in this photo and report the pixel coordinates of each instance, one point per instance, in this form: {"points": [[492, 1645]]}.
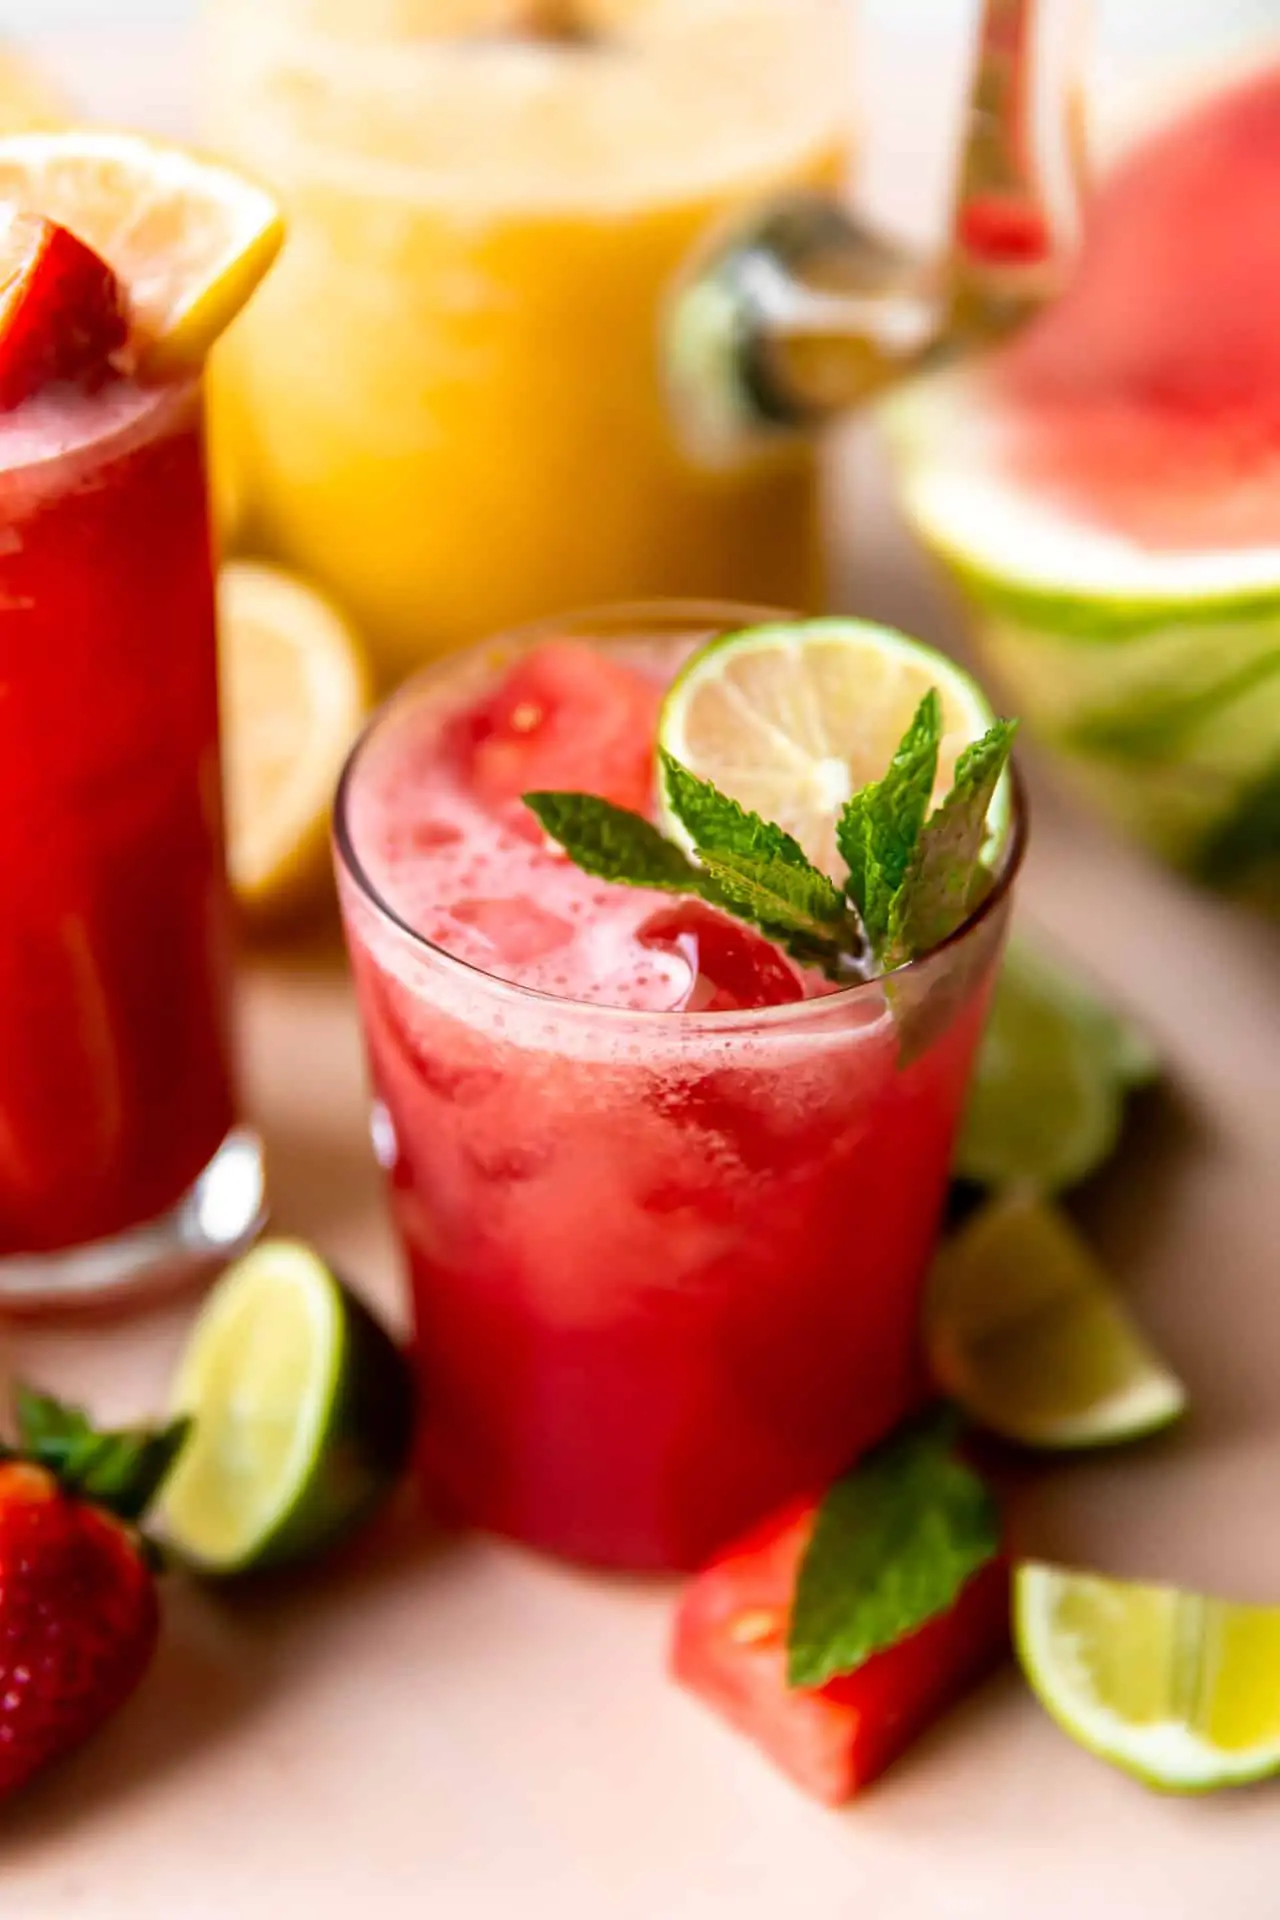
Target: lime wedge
{"points": [[792, 719], [303, 1410], [1179, 1690], [1026, 1332], [1047, 1101]]}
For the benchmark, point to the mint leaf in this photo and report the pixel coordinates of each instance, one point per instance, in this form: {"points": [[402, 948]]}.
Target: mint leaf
{"points": [[878, 831], [946, 877], [614, 844], [759, 872], [894, 1543]]}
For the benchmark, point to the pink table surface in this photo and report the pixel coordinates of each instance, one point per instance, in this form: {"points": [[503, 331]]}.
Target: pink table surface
{"points": [[457, 1729]]}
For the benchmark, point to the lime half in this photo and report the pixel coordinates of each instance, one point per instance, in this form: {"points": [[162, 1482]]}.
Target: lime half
{"points": [[1026, 1332], [303, 1410], [792, 719], [1179, 1690], [1047, 1101]]}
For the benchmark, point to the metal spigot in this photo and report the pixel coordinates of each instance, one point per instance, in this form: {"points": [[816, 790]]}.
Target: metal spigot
{"points": [[801, 311]]}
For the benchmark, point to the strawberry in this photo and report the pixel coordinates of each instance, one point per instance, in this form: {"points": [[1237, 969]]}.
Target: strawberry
{"points": [[79, 1616], [62, 310]]}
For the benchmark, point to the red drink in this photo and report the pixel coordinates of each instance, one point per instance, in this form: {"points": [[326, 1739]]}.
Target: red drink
{"points": [[668, 1200], [115, 1083]]}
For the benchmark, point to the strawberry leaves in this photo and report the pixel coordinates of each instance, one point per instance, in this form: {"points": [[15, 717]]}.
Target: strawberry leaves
{"points": [[121, 1471]]}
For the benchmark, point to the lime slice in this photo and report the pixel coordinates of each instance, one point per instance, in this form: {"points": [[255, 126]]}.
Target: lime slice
{"points": [[793, 719], [1179, 1690], [1047, 1101], [1026, 1332], [302, 1407]]}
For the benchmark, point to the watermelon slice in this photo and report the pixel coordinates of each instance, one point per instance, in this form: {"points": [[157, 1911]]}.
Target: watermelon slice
{"points": [[1107, 489]]}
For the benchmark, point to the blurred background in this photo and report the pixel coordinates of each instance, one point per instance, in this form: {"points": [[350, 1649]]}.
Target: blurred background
{"points": [[393, 485], [934, 36]]}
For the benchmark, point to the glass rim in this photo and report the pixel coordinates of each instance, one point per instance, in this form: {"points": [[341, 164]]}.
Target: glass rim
{"points": [[586, 622]]}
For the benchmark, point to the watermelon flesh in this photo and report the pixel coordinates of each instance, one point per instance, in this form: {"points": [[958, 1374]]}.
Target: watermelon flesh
{"points": [[1148, 396], [1106, 488]]}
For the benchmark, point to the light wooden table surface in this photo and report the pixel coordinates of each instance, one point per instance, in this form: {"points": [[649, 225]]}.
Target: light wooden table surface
{"points": [[462, 1731]]}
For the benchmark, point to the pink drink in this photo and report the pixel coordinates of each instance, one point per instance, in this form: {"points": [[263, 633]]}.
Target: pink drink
{"points": [[115, 1081], [668, 1200]]}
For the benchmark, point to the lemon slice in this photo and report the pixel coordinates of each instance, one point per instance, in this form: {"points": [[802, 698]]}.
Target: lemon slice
{"points": [[1026, 1332], [792, 719], [1179, 1690], [294, 692], [302, 1411], [189, 240]]}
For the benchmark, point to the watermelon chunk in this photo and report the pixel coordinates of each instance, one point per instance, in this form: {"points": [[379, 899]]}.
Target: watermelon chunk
{"points": [[565, 717], [729, 1649]]}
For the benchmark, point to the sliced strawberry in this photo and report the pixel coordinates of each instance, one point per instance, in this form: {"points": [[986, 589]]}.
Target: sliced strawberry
{"points": [[730, 1650], [62, 310]]}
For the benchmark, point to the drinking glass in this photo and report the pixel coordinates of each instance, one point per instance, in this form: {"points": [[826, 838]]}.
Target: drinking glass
{"points": [[666, 1267]]}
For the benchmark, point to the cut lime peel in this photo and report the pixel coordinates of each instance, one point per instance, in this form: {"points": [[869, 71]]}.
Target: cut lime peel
{"points": [[1166, 1755], [1139, 1413]]}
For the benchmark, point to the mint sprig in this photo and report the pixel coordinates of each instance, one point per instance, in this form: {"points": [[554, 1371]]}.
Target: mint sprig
{"points": [[761, 873], [946, 877], [912, 879], [880, 826], [747, 866], [894, 1544], [613, 843]]}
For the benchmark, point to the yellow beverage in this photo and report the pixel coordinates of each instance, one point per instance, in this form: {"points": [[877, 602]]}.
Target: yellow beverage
{"points": [[446, 405], [28, 99]]}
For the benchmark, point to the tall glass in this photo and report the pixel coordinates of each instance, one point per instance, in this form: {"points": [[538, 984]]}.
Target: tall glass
{"points": [[120, 1157], [458, 354], [666, 1267]]}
